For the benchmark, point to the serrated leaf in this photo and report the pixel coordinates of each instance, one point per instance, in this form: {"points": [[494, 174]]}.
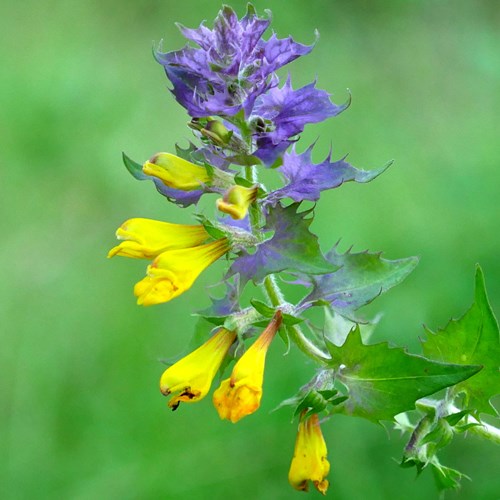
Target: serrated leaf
{"points": [[223, 307], [292, 247], [472, 339], [384, 381], [306, 180], [447, 478], [361, 278]]}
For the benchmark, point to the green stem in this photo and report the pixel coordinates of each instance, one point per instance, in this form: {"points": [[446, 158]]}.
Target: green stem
{"points": [[301, 341], [254, 212], [271, 286]]}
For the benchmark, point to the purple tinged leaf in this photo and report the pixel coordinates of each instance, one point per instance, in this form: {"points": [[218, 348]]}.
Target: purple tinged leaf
{"points": [[223, 307], [360, 278], [306, 180], [292, 248], [182, 198]]}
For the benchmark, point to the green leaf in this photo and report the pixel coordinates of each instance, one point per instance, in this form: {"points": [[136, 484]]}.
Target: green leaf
{"points": [[134, 168], [384, 381], [292, 248], [264, 309], [360, 278], [337, 327], [211, 227], [472, 339], [445, 477]]}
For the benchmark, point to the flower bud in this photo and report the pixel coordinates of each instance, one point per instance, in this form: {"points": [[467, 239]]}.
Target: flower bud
{"points": [[176, 172], [237, 200], [216, 131]]}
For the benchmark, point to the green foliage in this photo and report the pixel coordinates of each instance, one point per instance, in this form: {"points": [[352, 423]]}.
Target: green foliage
{"points": [[472, 339], [384, 381], [134, 168], [360, 278]]}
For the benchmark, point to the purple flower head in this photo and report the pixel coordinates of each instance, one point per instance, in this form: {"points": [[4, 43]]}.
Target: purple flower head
{"points": [[282, 113], [231, 66]]}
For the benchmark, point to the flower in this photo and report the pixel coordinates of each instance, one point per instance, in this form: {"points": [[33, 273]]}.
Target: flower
{"points": [[191, 377], [237, 200], [309, 461], [174, 271], [147, 238], [176, 172], [231, 67], [240, 394]]}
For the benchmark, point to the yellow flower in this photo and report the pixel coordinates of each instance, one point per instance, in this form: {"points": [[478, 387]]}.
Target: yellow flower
{"points": [[309, 461], [237, 200], [146, 238], [174, 271], [176, 172], [240, 394], [191, 377]]}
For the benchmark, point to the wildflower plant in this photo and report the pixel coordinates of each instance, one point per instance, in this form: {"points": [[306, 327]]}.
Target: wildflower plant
{"points": [[245, 120]]}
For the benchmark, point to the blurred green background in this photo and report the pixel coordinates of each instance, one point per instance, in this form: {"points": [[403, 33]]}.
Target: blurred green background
{"points": [[81, 414]]}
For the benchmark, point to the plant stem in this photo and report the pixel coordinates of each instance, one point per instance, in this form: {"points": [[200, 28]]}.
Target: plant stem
{"points": [[301, 341], [271, 286]]}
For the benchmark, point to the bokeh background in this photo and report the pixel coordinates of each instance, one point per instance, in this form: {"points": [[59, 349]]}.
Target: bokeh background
{"points": [[81, 416]]}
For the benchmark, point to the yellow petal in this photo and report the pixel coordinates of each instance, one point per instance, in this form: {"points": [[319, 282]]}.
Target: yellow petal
{"points": [[240, 395], [147, 238], [309, 461], [174, 271], [191, 377]]}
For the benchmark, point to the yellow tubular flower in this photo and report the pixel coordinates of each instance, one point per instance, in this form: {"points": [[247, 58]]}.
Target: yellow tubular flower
{"points": [[240, 394], [146, 238], [309, 461], [191, 377], [174, 271], [176, 172], [237, 200]]}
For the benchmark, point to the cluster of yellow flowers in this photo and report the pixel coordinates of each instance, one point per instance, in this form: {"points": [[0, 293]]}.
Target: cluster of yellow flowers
{"points": [[179, 254]]}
